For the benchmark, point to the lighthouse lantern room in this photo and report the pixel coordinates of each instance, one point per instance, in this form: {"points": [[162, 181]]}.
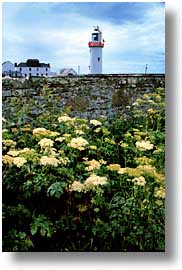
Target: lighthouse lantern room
{"points": [[96, 44]]}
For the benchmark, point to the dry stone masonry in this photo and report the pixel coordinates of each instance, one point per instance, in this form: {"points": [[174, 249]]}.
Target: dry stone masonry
{"points": [[86, 96]]}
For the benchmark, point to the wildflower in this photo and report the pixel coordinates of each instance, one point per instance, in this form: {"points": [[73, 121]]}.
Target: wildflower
{"points": [[139, 181], [39, 131], [144, 145], [25, 129], [26, 150], [53, 152], [95, 122], [151, 111], [79, 132], [105, 131], [121, 170], [64, 161], [135, 104], [160, 193], [10, 143], [139, 101], [14, 130], [78, 143], [143, 160], [109, 141], [53, 133], [4, 130], [122, 144], [46, 143], [85, 158], [7, 159], [93, 147], [102, 161], [92, 164], [158, 98], [19, 161], [97, 130], [94, 180], [84, 127], [13, 153], [45, 160], [146, 96], [77, 186], [114, 167], [60, 139], [66, 119], [45, 132], [61, 152]]}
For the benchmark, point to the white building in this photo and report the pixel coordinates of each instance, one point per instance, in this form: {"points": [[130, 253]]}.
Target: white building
{"points": [[68, 72], [33, 67], [7, 68], [96, 45]]}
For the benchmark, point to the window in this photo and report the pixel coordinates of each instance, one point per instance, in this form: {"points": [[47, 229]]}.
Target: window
{"points": [[30, 69], [46, 74], [37, 74], [46, 69], [37, 69], [25, 75], [20, 69], [98, 58], [30, 74], [95, 37], [42, 75]]}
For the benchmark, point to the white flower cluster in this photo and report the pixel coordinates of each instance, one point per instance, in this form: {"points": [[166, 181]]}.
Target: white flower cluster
{"points": [[90, 183], [78, 143], [94, 180], [92, 164], [45, 160], [66, 119], [144, 145], [64, 160], [19, 161], [139, 181], [44, 132], [160, 193], [8, 143], [45, 143], [117, 168], [95, 122]]}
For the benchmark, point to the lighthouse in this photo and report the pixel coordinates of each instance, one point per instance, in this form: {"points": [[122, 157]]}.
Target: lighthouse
{"points": [[96, 45]]}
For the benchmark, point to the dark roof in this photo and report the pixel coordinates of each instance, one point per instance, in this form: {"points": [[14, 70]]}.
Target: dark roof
{"points": [[32, 63]]}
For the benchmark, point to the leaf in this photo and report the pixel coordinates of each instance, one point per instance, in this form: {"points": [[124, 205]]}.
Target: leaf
{"points": [[56, 189], [33, 229]]}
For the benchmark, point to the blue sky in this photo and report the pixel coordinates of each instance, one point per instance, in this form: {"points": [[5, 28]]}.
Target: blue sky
{"points": [[58, 33]]}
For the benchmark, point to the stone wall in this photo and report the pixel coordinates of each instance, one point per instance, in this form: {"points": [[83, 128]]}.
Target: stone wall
{"points": [[85, 96]]}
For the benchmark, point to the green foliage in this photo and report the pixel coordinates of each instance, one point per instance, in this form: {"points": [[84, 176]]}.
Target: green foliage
{"points": [[72, 184]]}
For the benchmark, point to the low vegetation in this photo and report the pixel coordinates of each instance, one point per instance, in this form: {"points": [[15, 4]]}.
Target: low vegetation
{"points": [[74, 184]]}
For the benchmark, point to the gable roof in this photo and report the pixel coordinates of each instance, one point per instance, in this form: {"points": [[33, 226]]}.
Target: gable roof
{"points": [[67, 71], [7, 62]]}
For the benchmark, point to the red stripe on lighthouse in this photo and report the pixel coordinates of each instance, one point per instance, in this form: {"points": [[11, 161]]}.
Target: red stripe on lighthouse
{"points": [[96, 44]]}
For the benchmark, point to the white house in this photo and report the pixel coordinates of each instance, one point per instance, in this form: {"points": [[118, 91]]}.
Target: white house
{"points": [[7, 68], [33, 67], [68, 72]]}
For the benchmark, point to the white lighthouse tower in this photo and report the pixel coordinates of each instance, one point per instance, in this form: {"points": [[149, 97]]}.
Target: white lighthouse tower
{"points": [[96, 44]]}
